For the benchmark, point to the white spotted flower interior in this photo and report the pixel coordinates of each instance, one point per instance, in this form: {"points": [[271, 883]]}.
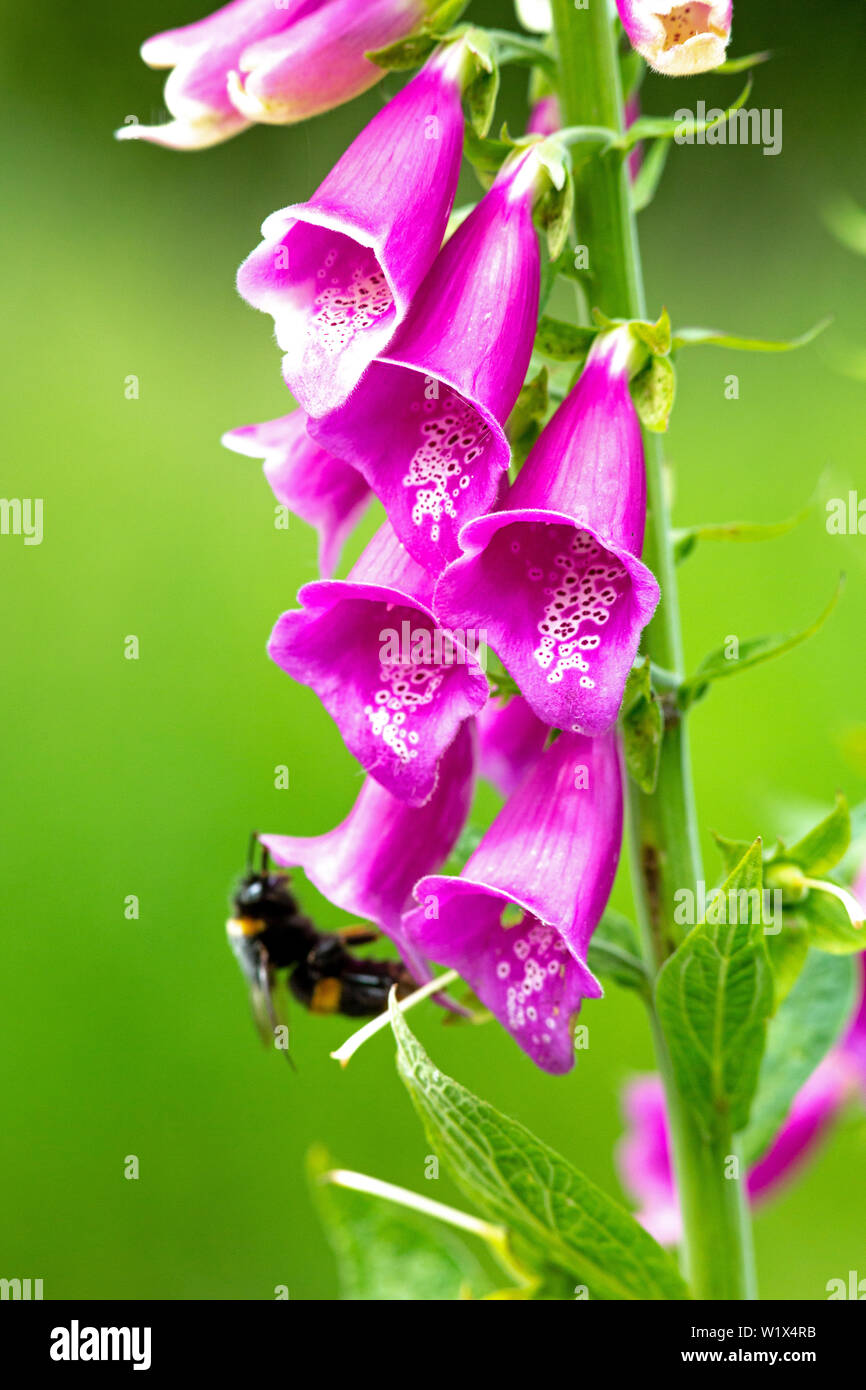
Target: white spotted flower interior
{"points": [[396, 684], [678, 39], [425, 425], [338, 273], [554, 577], [517, 922]]}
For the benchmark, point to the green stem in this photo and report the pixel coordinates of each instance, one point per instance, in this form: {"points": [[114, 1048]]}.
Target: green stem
{"points": [[665, 854]]}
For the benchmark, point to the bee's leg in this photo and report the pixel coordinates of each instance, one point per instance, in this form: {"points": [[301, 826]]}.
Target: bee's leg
{"points": [[358, 933]]}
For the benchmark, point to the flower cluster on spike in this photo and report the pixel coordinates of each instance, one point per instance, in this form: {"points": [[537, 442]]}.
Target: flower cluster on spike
{"points": [[406, 341]]}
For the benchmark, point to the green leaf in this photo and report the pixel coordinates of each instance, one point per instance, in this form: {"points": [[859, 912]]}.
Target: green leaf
{"points": [[560, 1218], [386, 1253], [823, 847], [645, 186], [666, 127], [806, 1026], [751, 60], [829, 926], [750, 653], [653, 392], [686, 538], [485, 155], [713, 997], [690, 337], [564, 342], [642, 723], [614, 953], [732, 851]]}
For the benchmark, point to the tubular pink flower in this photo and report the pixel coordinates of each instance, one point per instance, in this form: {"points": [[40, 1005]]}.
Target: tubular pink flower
{"points": [[396, 685], [338, 273], [202, 56], [510, 741], [554, 577], [368, 864], [425, 426], [644, 1154], [319, 62], [325, 492], [517, 922], [678, 39]]}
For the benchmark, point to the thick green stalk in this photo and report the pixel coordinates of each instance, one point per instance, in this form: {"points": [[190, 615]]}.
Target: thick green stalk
{"points": [[665, 853]]}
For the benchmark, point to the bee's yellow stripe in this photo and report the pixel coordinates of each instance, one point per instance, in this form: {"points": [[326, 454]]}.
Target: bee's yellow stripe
{"points": [[244, 926], [326, 997]]}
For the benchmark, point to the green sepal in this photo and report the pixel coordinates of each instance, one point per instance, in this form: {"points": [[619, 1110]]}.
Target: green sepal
{"points": [[829, 926], [806, 1026], [713, 998], [655, 336], [788, 950], [556, 1218], [823, 847], [614, 953], [653, 391], [412, 50], [555, 208], [642, 725], [563, 342], [693, 337], [479, 96], [751, 653]]}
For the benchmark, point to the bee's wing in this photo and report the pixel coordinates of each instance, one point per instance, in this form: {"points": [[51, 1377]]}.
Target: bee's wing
{"points": [[259, 975]]}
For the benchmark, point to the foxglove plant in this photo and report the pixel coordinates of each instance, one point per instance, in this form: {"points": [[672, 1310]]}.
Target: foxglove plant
{"points": [[517, 457]]}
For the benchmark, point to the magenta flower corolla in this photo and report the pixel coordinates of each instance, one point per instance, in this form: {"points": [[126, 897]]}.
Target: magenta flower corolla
{"points": [[644, 1154], [396, 684], [554, 577], [339, 272], [517, 922], [259, 60], [368, 864], [511, 739], [678, 39], [319, 62], [425, 426], [325, 492]]}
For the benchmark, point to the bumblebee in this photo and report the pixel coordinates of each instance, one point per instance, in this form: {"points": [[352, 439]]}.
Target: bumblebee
{"points": [[268, 933]]}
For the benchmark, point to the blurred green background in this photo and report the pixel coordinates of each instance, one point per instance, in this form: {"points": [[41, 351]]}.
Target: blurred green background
{"points": [[145, 777]]}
